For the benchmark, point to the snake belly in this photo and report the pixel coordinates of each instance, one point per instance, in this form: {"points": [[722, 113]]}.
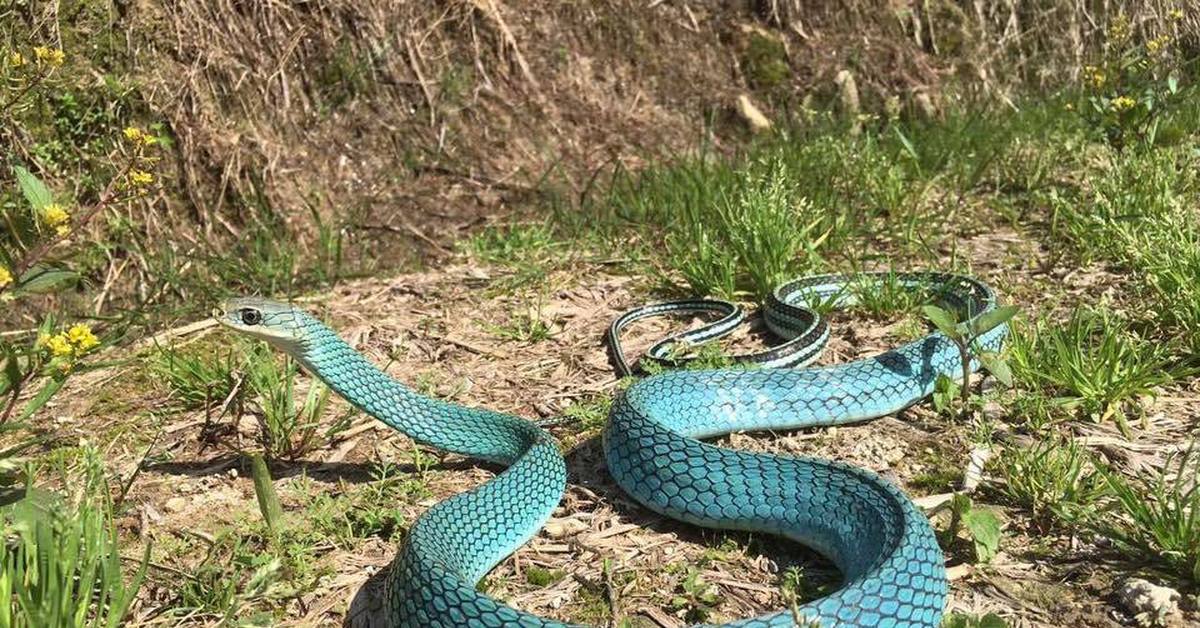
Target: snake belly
{"points": [[893, 569]]}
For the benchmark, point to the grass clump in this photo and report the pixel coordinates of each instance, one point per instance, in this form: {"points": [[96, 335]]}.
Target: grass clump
{"points": [[760, 232], [1056, 481], [196, 379], [287, 430], [1090, 364], [62, 563], [1158, 516], [542, 577]]}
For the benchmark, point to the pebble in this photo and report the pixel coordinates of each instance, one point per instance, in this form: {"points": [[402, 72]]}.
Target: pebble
{"points": [[1150, 604], [560, 528]]}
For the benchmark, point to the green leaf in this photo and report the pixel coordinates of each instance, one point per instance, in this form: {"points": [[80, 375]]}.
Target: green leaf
{"points": [[43, 279], [1173, 85], [12, 372], [52, 386], [945, 391], [984, 526], [998, 367], [264, 489], [956, 620], [991, 620], [991, 319], [943, 320], [32, 187]]}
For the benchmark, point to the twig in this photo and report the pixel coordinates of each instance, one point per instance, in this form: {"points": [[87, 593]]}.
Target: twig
{"points": [[489, 8], [416, 66]]}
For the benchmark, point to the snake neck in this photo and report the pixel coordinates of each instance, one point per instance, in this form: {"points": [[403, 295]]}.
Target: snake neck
{"points": [[477, 433]]}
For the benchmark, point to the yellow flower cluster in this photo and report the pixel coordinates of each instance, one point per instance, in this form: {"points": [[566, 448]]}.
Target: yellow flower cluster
{"points": [[1157, 45], [1175, 15], [1123, 103], [67, 346], [5, 276], [53, 57], [57, 218], [138, 136], [16, 60], [1095, 76], [140, 178], [1119, 29]]}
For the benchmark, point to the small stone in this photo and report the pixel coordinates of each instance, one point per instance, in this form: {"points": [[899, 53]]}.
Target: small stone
{"points": [[992, 410], [974, 473], [175, 504], [560, 528], [1150, 604], [752, 115]]}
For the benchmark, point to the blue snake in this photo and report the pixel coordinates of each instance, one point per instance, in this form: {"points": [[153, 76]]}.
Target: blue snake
{"points": [[892, 567]]}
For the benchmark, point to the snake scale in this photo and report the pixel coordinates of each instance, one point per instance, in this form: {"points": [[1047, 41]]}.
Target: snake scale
{"points": [[892, 567]]}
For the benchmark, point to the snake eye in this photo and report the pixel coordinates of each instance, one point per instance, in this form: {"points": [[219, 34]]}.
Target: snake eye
{"points": [[251, 316]]}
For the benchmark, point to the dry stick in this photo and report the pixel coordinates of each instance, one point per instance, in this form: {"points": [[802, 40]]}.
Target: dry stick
{"points": [[416, 66], [490, 9]]}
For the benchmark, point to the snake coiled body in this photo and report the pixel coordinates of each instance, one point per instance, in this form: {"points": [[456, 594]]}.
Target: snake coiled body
{"points": [[893, 570]]}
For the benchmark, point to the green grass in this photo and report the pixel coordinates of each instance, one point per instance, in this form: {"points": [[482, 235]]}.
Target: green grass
{"points": [[527, 325], [541, 577], [197, 378], [1057, 482], [62, 562], [1092, 363], [287, 430], [1157, 516]]}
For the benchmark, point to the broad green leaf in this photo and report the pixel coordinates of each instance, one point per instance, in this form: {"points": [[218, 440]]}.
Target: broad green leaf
{"points": [[984, 526], [945, 390], [12, 372], [943, 320], [43, 279], [264, 489], [992, 620], [1173, 85], [908, 145], [32, 187], [998, 367], [51, 387], [991, 319]]}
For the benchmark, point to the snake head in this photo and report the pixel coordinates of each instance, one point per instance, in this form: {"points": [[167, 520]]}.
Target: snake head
{"points": [[280, 324]]}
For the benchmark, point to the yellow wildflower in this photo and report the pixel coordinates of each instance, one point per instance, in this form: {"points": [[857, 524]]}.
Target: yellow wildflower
{"points": [[1123, 103], [1119, 30], [57, 218], [1175, 14], [1157, 45], [138, 136], [1095, 76], [59, 345], [16, 59], [140, 178], [52, 57], [5, 276], [82, 338]]}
